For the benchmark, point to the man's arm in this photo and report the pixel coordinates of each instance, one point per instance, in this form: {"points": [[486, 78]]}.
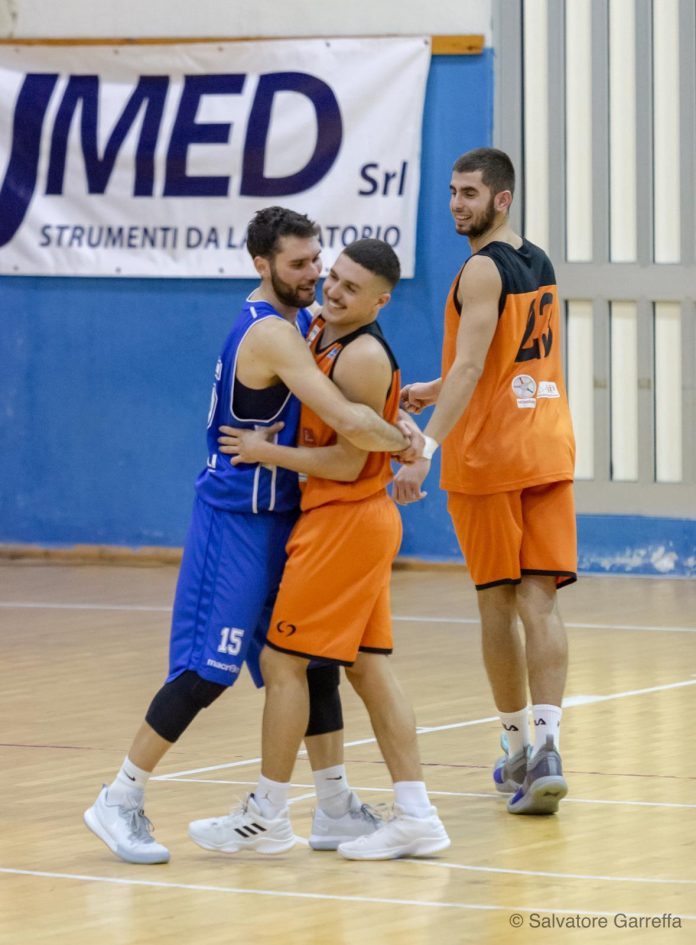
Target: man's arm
{"points": [[478, 294], [283, 351], [363, 374], [340, 461], [415, 397]]}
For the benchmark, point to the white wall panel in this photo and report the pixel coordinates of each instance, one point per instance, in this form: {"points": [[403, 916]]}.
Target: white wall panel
{"points": [[622, 130], [668, 392], [536, 130], [667, 183], [578, 78], [74, 18], [579, 333], [624, 391]]}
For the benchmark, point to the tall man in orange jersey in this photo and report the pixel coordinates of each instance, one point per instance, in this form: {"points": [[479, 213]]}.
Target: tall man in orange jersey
{"points": [[333, 602], [507, 465]]}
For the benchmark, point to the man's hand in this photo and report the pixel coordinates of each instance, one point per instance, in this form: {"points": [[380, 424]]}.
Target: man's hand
{"points": [[247, 445], [406, 487], [415, 397], [410, 429]]}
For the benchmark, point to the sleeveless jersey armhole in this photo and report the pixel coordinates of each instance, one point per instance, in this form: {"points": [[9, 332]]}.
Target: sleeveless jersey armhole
{"points": [[374, 330]]}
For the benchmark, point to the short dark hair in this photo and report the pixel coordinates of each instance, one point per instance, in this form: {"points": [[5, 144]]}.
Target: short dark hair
{"points": [[270, 224], [376, 256], [497, 171]]}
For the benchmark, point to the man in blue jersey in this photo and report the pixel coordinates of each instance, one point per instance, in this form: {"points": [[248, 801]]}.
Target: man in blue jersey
{"points": [[235, 548]]}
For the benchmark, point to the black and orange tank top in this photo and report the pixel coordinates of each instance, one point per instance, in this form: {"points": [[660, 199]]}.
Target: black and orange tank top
{"points": [[516, 430], [376, 473]]}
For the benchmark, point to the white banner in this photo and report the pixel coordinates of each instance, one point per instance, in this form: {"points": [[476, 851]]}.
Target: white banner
{"points": [[150, 160]]}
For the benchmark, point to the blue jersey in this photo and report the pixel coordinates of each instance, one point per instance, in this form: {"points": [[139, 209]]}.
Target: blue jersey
{"points": [[248, 487]]}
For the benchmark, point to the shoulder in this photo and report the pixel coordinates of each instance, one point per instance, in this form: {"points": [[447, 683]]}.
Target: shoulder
{"points": [[363, 372], [367, 351], [363, 365], [480, 277], [272, 326], [273, 337]]}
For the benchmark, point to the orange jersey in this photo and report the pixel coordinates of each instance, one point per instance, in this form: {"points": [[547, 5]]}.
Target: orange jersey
{"points": [[516, 430], [376, 473]]}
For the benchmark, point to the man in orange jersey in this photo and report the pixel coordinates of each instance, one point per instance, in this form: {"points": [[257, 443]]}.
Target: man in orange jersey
{"points": [[235, 547], [333, 602], [508, 457]]}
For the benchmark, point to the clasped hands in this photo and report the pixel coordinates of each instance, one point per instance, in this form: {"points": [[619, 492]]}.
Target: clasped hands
{"points": [[246, 445]]}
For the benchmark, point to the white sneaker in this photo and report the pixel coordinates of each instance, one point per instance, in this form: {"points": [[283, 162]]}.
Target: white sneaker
{"points": [[328, 832], [403, 835], [244, 829], [125, 830]]}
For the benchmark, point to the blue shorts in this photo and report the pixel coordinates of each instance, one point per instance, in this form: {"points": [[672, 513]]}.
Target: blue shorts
{"points": [[229, 578]]}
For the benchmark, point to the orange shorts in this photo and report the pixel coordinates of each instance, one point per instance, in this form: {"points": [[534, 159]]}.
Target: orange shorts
{"points": [[334, 596], [508, 534]]}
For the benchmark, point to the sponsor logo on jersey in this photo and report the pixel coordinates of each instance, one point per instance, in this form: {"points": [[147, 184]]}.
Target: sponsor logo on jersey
{"points": [[313, 334], [524, 387], [286, 628]]}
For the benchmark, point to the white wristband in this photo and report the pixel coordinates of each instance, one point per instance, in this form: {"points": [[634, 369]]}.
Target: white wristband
{"points": [[430, 447]]}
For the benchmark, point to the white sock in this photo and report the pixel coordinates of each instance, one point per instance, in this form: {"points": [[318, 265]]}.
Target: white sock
{"points": [[516, 725], [333, 792], [412, 796], [128, 787], [547, 721], [271, 796]]}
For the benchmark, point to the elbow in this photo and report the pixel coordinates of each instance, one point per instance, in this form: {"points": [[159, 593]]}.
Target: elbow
{"points": [[351, 475], [351, 467], [351, 423], [350, 471], [467, 372]]}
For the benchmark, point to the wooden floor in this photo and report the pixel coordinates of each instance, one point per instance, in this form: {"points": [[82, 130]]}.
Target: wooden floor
{"points": [[84, 649]]}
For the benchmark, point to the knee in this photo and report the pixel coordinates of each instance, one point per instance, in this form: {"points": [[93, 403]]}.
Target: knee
{"points": [[497, 603], [354, 675], [178, 703], [365, 673], [536, 598], [279, 669]]}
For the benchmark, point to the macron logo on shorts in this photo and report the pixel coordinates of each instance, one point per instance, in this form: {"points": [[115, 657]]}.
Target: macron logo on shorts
{"points": [[225, 667]]}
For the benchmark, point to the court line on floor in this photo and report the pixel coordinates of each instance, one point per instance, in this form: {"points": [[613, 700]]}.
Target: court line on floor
{"points": [[483, 795], [567, 623], [326, 897], [572, 702], [650, 880], [144, 608], [32, 605]]}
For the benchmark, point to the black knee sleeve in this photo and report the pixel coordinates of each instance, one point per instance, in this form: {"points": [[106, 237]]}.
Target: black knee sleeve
{"points": [[178, 703], [325, 713]]}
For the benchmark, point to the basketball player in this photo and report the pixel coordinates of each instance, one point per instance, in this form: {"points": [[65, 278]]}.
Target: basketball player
{"points": [[507, 465], [234, 553], [333, 602]]}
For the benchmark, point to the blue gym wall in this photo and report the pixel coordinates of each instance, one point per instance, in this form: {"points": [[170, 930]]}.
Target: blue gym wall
{"points": [[104, 384]]}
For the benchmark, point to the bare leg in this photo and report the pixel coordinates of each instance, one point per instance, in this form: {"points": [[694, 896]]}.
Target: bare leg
{"points": [[391, 715], [148, 748], [325, 751], [503, 654], [285, 713], [547, 644]]}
